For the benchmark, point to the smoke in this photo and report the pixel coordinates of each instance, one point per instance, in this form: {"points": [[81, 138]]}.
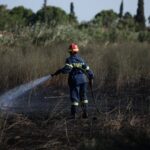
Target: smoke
{"points": [[7, 98]]}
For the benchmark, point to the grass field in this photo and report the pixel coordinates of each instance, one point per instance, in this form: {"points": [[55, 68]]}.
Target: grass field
{"points": [[120, 63], [117, 66]]}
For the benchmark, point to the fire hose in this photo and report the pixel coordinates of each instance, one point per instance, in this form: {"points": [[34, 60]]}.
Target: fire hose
{"points": [[93, 97]]}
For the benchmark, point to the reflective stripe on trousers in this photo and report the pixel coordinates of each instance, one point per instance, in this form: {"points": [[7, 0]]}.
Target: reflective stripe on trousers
{"points": [[75, 104], [84, 101]]}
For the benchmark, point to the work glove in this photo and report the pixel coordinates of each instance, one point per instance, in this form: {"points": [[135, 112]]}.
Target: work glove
{"points": [[56, 73], [52, 75], [90, 74]]}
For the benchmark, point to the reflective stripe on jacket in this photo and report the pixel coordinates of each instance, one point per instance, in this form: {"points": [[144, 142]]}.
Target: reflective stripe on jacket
{"points": [[78, 70]]}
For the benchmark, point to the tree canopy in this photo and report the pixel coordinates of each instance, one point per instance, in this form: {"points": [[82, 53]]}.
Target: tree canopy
{"points": [[140, 18], [21, 15], [53, 15], [105, 18]]}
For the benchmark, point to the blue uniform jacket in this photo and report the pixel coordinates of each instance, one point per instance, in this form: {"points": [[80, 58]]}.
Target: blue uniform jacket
{"points": [[79, 72]]}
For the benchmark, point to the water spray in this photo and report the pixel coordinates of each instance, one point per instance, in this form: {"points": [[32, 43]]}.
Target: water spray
{"points": [[7, 98]]}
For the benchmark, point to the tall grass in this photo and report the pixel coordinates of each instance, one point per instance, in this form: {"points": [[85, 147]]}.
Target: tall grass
{"points": [[120, 63], [117, 63]]}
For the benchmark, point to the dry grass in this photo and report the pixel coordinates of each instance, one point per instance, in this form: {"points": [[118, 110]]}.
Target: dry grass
{"points": [[123, 62], [119, 132], [119, 64], [123, 128]]}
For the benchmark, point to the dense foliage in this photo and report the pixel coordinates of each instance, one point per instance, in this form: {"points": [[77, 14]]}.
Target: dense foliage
{"points": [[52, 24]]}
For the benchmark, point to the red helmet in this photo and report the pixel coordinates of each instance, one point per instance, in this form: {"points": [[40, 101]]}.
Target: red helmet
{"points": [[73, 48]]}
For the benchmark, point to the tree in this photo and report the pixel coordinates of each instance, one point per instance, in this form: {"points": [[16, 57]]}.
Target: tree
{"points": [[149, 19], [72, 17], [72, 9], [45, 12], [21, 16], [105, 18], [121, 9], [128, 15], [140, 18], [45, 3], [54, 16], [127, 22], [4, 17]]}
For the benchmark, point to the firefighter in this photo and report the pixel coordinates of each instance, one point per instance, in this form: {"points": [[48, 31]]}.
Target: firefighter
{"points": [[79, 76]]}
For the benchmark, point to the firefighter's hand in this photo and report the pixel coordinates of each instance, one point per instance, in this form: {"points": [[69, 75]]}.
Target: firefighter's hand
{"points": [[53, 74], [56, 73]]}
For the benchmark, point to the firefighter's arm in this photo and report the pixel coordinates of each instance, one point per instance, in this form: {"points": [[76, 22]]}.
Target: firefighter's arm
{"points": [[90, 76], [56, 73], [63, 70], [66, 69]]}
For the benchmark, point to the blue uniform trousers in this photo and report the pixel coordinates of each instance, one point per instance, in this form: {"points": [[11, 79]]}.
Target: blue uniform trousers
{"points": [[78, 95]]}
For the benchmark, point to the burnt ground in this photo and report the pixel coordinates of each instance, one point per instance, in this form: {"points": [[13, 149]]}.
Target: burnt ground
{"points": [[39, 120]]}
